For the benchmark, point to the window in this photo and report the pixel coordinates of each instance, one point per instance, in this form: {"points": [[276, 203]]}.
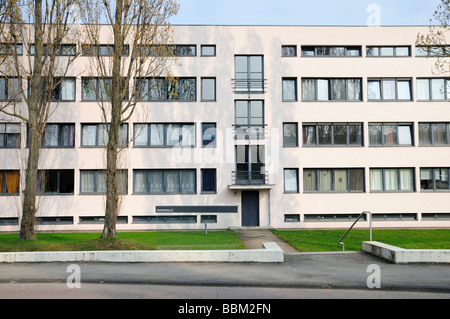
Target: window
{"points": [[9, 182], [391, 179], [249, 119], [250, 165], [331, 51], [208, 50], [161, 89], [164, 135], [95, 89], [289, 89], [209, 181], [291, 180], [55, 182], [292, 218], [289, 51], [58, 135], [433, 89], [389, 90], [10, 89], [96, 135], [395, 217], [332, 217], [388, 51], [333, 134], [165, 181], [331, 89], [209, 89], [424, 51], [333, 180], [434, 179], [290, 133], [9, 48], [390, 134], [209, 134], [185, 50], [62, 50], [434, 134], [62, 90], [9, 135], [103, 50], [249, 74], [94, 182], [165, 219]]}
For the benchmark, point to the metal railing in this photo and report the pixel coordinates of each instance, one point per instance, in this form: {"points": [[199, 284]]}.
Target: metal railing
{"points": [[247, 132], [351, 227], [249, 178], [249, 85]]}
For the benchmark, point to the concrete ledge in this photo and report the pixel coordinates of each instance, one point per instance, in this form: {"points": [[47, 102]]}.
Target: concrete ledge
{"points": [[270, 253], [402, 256]]}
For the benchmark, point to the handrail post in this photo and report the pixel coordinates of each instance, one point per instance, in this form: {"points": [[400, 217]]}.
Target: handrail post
{"points": [[340, 240]]}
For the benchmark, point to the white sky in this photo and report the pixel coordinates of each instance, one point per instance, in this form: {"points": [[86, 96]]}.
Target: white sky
{"points": [[304, 12]]}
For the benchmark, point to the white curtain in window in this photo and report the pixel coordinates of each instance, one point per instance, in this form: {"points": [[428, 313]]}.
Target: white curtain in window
{"points": [[406, 179], [188, 135], [140, 134], [156, 181], [68, 89], [173, 134], [325, 180], [404, 135], [340, 180], [322, 90], [188, 181], [423, 89], [173, 181], [101, 182], [51, 135], [353, 89], [308, 89], [388, 90], [309, 135], [89, 135], [391, 179], [437, 89], [439, 133], [310, 180], [424, 134], [68, 135], [376, 179], [338, 87], [289, 90], [157, 134], [140, 181], [373, 90], [290, 180], [102, 134], [404, 90], [87, 181]]}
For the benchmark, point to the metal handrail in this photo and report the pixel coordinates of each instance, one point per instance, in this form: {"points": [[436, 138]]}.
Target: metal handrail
{"points": [[351, 227]]}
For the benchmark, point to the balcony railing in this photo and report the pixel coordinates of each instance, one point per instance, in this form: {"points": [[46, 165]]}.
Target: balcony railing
{"points": [[249, 178], [249, 86], [250, 132]]}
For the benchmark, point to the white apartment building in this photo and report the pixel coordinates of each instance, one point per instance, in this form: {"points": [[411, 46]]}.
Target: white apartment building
{"points": [[273, 126]]}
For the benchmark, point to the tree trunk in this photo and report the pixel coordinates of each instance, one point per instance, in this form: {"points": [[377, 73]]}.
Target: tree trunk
{"points": [[112, 187]]}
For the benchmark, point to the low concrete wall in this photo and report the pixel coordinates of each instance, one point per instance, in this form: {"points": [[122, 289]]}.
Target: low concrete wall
{"points": [[402, 256], [270, 253]]}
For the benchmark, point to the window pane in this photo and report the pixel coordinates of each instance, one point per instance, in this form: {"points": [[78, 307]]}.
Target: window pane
{"points": [[289, 51], [140, 134], [375, 135], [356, 179], [188, 89], [188, 181], [406, 179], [208, 50], [12, 182], [208, 180], [340, 180], [209, 134], [310, 180], [208, 89], [87, 181], [66, 181], [424, 134], [89, 133], [89, 88], [338, 89], [437, 89], [376, 179], [441, 178], [290, 180], [157, 134], [374, 90], [354, 90], [340, 134], [402, 51], [322, 90], [426, 178], [308, 89], [355, 134], [391, 179], [309, 135], [101, 182], [404, 90], [156, 181], [439, 133], [324, 134], [325, 180], [173, 181], [140, 181], [289, 90], [68, 135], [423, 89], [389, 90], [188, 135], [51, 135], [68, 90], [387, 51], [289, 134], [173, 134], [405, 135], [390, 134]]}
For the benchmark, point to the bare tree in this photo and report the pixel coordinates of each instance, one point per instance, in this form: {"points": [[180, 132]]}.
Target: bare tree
{"points": [[139, 47], [31, 37]]}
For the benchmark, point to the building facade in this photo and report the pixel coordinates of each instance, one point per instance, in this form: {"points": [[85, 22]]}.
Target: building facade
{"points": [[270, 126]]}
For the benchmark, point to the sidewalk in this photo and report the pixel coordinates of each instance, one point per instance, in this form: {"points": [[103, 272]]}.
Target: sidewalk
{"points": [[253, 238]]}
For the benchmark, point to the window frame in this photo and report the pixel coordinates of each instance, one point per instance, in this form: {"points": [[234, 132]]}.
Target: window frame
{"points": [[397, 135], [6, 82], [165, 135], [17, 136], [3, 188], [434, 180], [97, 135], [60, 135], [432, 134], [289, 79], [394, 48], [203, 191], [41, 184], [204, 46], [294, 47], [330, 97], [297, 184], [399, 186], [381, 89], [329, 48], [97, 173], [296, 134], [148, 173], [212, 143], [332, 189], [332, 135], [214, 99]]}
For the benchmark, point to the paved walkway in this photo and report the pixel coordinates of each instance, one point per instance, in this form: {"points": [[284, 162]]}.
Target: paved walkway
{"points": [[253, 238]]}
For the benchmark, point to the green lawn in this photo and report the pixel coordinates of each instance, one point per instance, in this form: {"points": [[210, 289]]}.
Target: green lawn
{"points": [[327, 240], [172, 240]]}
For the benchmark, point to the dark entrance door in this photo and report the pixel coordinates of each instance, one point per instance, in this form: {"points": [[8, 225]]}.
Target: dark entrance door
{"points": [[250, 208]]}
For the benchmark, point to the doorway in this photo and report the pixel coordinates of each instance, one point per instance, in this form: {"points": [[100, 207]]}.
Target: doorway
{"points": [[250, 208]]}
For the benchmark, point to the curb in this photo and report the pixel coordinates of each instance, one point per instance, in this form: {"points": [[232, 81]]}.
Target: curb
{"points": [[270, 253]]}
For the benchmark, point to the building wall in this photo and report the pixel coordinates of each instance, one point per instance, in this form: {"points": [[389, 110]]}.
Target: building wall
{"points": [[274, 203]]}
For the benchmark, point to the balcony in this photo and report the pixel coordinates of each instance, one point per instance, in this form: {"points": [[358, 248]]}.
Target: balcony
{"points": [[250, 180], [249, 86], [250, 132]]}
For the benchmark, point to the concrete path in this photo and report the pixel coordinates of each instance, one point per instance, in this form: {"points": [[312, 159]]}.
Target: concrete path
{"points": [[253, 238]]}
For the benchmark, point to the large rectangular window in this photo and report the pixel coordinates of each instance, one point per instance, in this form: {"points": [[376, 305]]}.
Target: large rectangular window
{"points": [[389, 89], [58, 135], [9, 182], [161, 89], [289, 86], [392, 179], [426, 51], [388, 51], [164, 135], [96, 135], [331, 89], [333, 180], [10, 89], [164, 181], [9, 135], [333, 134], [209, 181], [390, 134], [94, 182], [103, 50], [433, 89], [434, 179], [249, 74], [291, 180], [249, 119], [434, 134], [290, 134], [331, 51], [55, 182]]}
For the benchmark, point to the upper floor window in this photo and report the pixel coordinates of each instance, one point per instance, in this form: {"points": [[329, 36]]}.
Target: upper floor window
{"points": [[290, 134], [61, 50], [103, 50], [289, 51], [389, 89], [249, 74], [333, 134], [63, 90], [209, 131], [331, 51], [388, 51], [10, 89], [209, 89], [165, 181], [333, 180], [425, 51], [59, 135], [11, 48], [434, 134], [390, 134], [161, 89], [331, 89], [164, 135], [9, 182], [96, 135], [98, 89], [434, 179], [289, 88], [9, 135], [163, 50], [208, 50], [433, 89]]}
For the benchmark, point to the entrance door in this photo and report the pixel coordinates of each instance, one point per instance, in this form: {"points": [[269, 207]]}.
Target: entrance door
{"points": [[250, 208]]}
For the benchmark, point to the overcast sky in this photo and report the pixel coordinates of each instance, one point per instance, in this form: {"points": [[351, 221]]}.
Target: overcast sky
{"points": [[305, 12]]}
